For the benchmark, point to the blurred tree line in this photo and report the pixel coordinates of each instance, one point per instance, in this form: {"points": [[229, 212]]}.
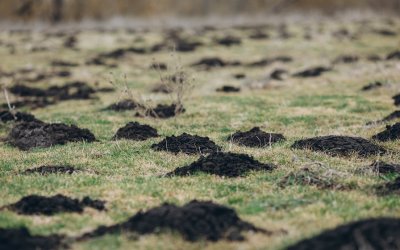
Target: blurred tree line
{"points": [[75, 10]]}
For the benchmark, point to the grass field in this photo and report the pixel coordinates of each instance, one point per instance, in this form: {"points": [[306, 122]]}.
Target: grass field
{"points": [[126, 174]]}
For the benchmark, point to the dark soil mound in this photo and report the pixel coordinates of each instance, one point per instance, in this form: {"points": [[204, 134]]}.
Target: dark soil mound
{"points": [[278, 74], [313, 72], [390, 134], [396, 100], [32, 103], [381, 167], [228, 89], [29, 135], [392, 116], [267, 61], [195, 221], [229, 41], [45, 170], [382, 233], [340, 145], [40, 205], [60, 63], [188, 144], [21, 239], [135, 131], [159, 66], [6, 116], [223, 164], [306, 177], [392, 187], [165, 111], [371, 86], [256, 138], [211, 62], [239, 76], [393, 56], [346, 59], [123, 105], [385, 32]]}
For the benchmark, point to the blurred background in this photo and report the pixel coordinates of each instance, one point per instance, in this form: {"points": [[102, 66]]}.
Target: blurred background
{"points": [[56, 11]]}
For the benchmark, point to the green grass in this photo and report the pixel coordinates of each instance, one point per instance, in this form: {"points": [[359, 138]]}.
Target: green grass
{"points": [[126, 174]]}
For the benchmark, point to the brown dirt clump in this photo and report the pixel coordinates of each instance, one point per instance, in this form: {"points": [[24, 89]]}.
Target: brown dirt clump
{"points": [[22, 239], [188, 144], [395, 55], [135, 131], [256, 138], [390, 134], [391, 187], [229, 41], [195, 221], [41, 205], [123, 105], [228, 89], [46, 170], [312, 72], [28, 135], [340, 145], [371, 86], [164, 111], [7, 116], [380, 233], [381, 167], [223, 164]]}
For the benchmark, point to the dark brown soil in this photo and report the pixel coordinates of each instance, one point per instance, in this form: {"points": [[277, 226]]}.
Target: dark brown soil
{"points": [[393, 56], [7, 116], [390, 134], [195, 221], [340, 146], [268, 61], [371, 86], [391, 187], [28, 135], [346, 59], [188, 144], [45, 170], [306, 177], [396, 99], [229, 41], [223, 164], [135, 131], [61, 63], [228, 89], [123, 105], [278, 74], [211, 62], [41, 205], [159, 66], [240, 76], [394, 115], [374, 234], [385, 32], [164, 111], [256, 138], [312, 72], [21, 239], [381, 167]]}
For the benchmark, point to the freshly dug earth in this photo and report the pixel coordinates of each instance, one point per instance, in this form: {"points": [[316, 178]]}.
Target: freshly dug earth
{"points": [[164, 111], [21, 239], [197, 220], [371, 86], [311, 178], [223, 164], [380, 233], [313, 72], [340, 145], [392, 187], [135, 131], [381, 167], [45, 170], [228, 89], [40, 205], [28, 135], [255, 138], [6, 116], [123, 105], [390, 134], [188, 144], [396, 99]]}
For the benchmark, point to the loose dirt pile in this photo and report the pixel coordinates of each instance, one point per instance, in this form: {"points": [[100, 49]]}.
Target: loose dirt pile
{"points": [[214, 62], [393, 116], [40, 205], [195, 221], [390, 134], [371, 86], [381, 167], [229, 41], [313, 72], [223, 164], [396, 100], [392, 187], [340, 146], [164, 111], [228, 89], [21, 239], [346, 59], [395, 55], [256, 138], [6, 116], [381, 233], [278, 74], [135, 131], [46, 170], [28, 135], [188, 144], [308, 177], [123, 105]]}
